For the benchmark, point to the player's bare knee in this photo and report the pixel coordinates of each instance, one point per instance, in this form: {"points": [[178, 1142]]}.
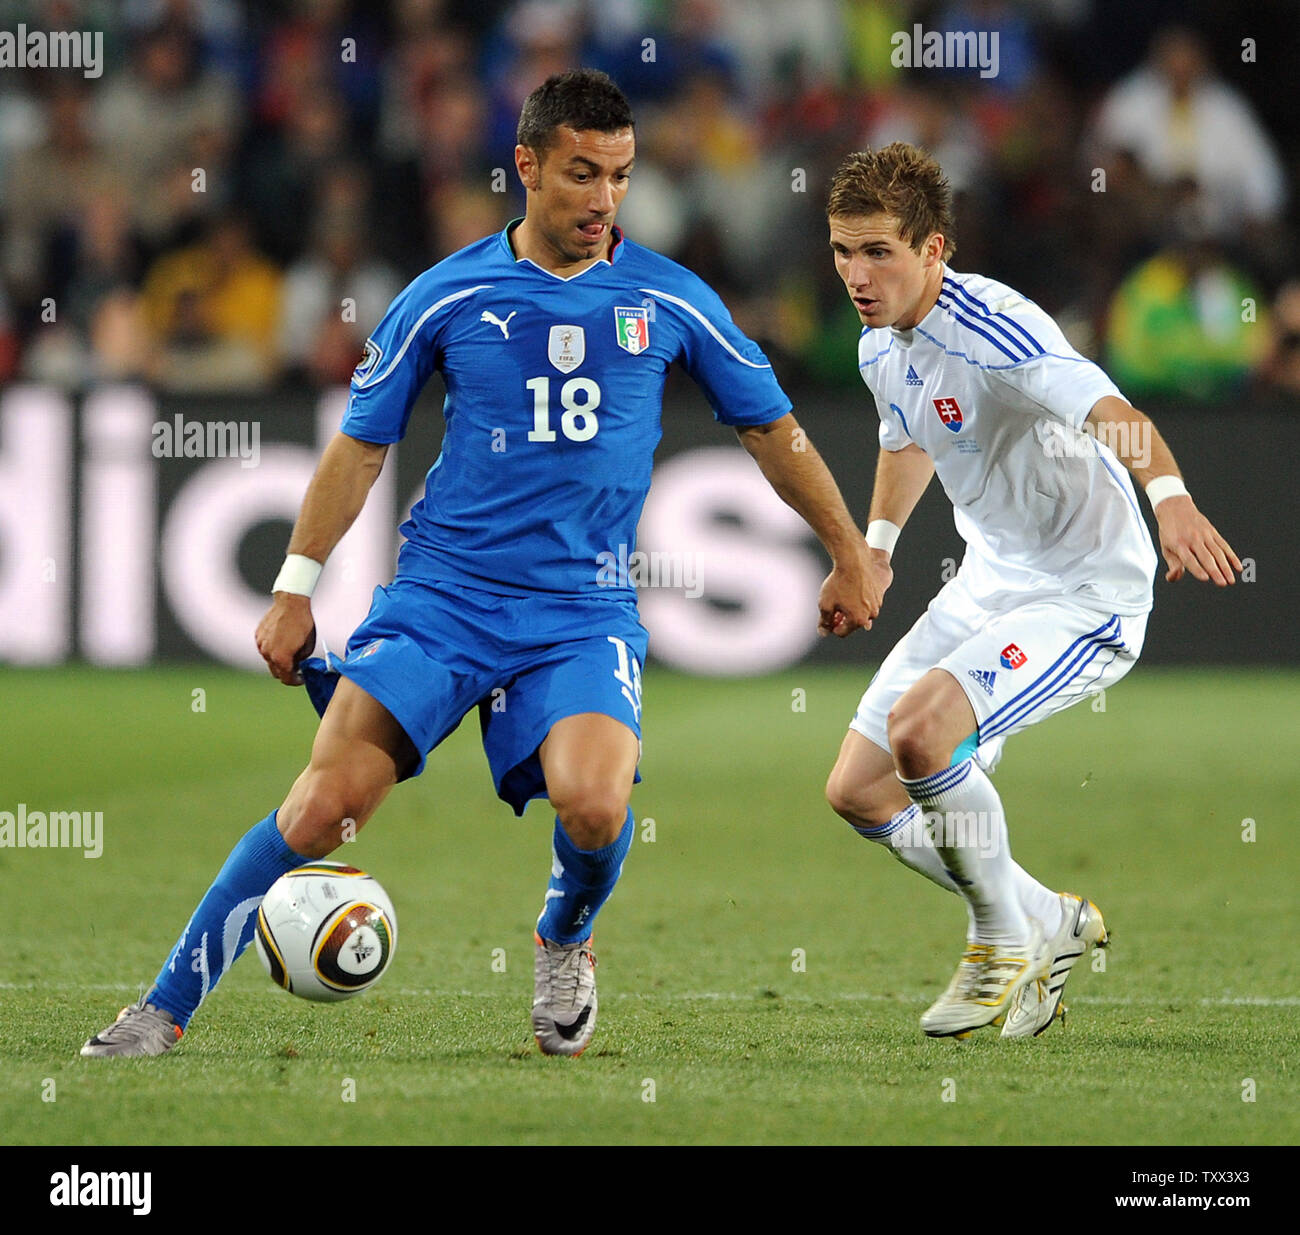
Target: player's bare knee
{"points": [[321, 813], [915, 737], [843, 795], [592, 815]]}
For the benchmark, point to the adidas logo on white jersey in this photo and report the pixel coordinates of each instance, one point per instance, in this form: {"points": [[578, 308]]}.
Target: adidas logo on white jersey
{"points": [[913, 378], [985, 677]]}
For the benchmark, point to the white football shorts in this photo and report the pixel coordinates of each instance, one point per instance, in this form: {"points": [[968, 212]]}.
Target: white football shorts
{"points": [[1017, 665]]}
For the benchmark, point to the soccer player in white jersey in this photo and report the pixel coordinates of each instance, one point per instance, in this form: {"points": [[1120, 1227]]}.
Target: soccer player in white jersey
{"points": [[1034, 446]]}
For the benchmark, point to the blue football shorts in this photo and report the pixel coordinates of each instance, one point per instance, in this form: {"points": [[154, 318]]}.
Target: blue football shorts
{"points": [[430, 652]]}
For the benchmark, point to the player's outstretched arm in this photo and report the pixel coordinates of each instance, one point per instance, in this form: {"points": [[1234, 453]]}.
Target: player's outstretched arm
{"points": [[901, 477], [1188, 539], [337, 492], [851, 595]]}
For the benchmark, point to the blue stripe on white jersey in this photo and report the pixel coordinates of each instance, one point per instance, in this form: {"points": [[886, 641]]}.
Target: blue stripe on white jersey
{"points": [[991, 322], [961, 292], [884, 351], [1124, 489], [951, 308], [1017, 361]]}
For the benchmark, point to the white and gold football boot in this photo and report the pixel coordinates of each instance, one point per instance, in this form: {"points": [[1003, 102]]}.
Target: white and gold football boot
{"points": [[1038, 1004]]}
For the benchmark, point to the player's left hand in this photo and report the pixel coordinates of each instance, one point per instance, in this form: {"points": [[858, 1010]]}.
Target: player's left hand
{"points": [[1190, 542]]}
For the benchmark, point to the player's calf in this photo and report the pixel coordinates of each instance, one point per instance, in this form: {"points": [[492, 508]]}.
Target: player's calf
{"points": [[864, 790], [864, 804]]}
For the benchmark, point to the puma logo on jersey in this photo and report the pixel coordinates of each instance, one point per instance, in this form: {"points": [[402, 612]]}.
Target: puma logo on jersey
{"points": [[489, 316]]}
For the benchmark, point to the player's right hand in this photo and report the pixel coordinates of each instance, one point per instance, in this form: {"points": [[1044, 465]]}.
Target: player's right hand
{"points": [[852, 595], [286, 635]]}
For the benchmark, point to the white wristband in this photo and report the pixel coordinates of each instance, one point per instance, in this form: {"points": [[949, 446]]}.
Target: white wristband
{"points": [[881, 534], [298, 575], [1165, 486]]}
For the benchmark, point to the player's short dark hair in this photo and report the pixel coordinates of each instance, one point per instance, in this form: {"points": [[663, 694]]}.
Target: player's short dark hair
{"points": [[581, 99], [901, 181]]}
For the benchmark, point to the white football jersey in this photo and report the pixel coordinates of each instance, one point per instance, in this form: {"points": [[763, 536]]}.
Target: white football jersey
{"points": [[988, 387]]}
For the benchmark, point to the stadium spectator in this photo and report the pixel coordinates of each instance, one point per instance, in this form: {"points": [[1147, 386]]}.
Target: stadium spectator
{"points": [[535, 39], [212, 310], [97, 332], [404, 130], [162, 120], [46, 190], [284, 167], [425, 55], [1280, 370], [460, 214], [1186, 324], [333, 296], [1182, 126]]}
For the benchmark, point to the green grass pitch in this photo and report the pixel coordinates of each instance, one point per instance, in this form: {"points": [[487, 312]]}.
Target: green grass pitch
{"points": [[762, 969]]}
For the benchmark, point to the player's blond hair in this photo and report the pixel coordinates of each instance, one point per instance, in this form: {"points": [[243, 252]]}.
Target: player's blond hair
{"points": [[901, 181]]}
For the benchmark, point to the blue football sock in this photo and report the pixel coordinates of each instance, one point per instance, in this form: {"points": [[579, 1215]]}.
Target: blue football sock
{"points": [[223, 924], [581, 881]]}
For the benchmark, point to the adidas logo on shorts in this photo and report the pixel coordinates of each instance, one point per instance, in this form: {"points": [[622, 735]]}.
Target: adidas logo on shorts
{"points": [[985, 677]]}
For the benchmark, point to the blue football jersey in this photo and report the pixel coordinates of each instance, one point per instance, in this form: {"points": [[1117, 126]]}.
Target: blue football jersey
{"points": [[554, 394]]}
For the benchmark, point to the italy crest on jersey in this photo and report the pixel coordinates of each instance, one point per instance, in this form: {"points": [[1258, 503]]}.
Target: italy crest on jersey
{"points": [[566, 348], [949, 412], [633, 327]]}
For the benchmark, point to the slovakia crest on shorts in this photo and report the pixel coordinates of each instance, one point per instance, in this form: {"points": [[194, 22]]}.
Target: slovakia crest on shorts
{"points": [[1012, 657], [949, 413], [633, 326], [566, 348]]}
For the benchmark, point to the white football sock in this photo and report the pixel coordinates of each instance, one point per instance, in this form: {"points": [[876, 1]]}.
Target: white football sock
{"points": [[968, 829], [906, 838]]}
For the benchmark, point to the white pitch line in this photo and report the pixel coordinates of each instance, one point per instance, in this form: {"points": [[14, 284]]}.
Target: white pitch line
{"points": [[424, 992]]}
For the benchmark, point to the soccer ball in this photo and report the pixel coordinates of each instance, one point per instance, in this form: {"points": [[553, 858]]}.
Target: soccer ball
{"points": [[326, 931]]}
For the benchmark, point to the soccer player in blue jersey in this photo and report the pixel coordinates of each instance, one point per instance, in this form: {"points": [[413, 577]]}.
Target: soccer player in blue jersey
{"points": [[554, 338]]}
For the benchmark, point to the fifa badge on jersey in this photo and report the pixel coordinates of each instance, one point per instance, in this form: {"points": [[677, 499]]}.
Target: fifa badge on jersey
{"points": [[369, 362], [633, 327], [1012, 657], [949, 413], [566, 348]]}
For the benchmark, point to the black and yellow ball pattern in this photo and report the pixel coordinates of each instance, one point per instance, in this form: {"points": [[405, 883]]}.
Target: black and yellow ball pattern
{"points": [[351, 947]]}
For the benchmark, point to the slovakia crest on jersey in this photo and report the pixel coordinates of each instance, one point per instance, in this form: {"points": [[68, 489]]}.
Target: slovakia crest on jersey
{"points": [[949, 413], [633, 327], [567, 347]]}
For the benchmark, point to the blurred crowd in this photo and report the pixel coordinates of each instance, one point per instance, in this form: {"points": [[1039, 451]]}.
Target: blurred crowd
{"points": [[233, 203]]}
